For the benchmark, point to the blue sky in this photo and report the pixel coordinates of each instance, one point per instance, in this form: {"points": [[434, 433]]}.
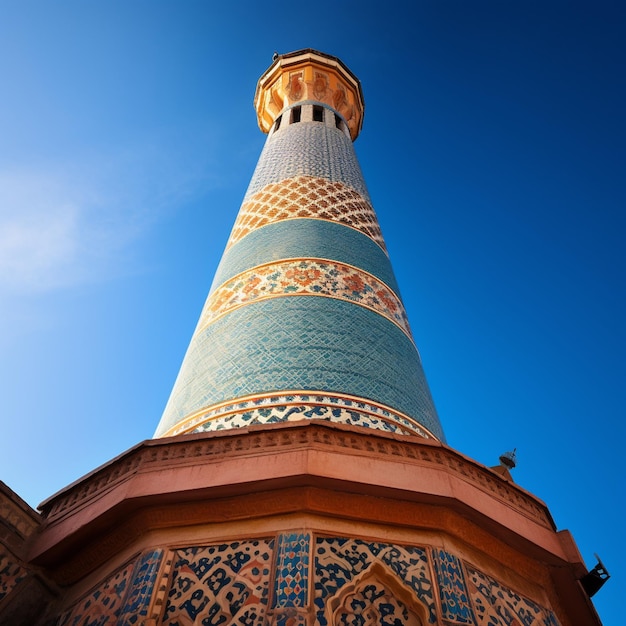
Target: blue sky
{"points": [[493, 149]]}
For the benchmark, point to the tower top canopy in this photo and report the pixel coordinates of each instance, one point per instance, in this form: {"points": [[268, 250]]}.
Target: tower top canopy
{"points": [[309, 75]]}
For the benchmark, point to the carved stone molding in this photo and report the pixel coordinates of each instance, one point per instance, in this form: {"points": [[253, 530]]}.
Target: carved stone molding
{"points": [[16, 515], [275, 439]]}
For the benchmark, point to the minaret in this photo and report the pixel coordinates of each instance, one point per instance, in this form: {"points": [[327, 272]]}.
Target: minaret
{"points": [[299, 475], [304, 319]]}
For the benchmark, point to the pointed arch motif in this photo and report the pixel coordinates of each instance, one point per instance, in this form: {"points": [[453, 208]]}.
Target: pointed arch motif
{"points": [[376, 597]]}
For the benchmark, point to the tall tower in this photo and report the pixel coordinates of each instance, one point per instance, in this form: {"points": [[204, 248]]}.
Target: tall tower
{"points": [[299, 474], [304, 319]]}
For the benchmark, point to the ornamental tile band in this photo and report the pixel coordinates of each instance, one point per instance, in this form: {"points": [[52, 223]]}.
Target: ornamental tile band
{"points": [[284, 344], [307, 197], [282, 413], [305, 239], [455, 604], [308, 149], [292, 571], [298, 406], [300, 277]]}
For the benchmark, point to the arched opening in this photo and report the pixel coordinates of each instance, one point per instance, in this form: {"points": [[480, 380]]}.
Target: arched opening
{"points": [[375, 598]]}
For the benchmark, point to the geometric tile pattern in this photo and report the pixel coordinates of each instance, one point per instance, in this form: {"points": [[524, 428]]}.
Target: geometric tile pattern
{"points": [[11, 573], [306, 238], [497, 605], [311, 277], [306, 197], [455, 604], [354, 582], [102, 606], [220, 584], [339, 561], [292, 571], [141, 588], [308, 149], [290, 345], [295, 407]]}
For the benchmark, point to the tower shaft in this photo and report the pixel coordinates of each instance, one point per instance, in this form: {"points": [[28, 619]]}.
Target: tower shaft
{"points": [[304, 319]]}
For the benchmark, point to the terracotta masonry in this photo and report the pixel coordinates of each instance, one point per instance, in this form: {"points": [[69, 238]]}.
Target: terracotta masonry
{"points": [[313, 478], [299, 474]]}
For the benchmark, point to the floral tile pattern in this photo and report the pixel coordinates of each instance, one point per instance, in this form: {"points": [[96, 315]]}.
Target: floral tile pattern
{"points": [[311, 277]]}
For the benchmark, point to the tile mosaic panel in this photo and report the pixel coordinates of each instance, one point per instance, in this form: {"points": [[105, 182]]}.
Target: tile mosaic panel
{"points": [[288, 617], [306, 238], [308, 149], [139, 594], [455, 604], [306, 197], [103, 606], [372, 604], [295, 407], [221, 584], [286, 344], [496, 605], [338, 561], [11, 574], [305, 277], [292, 571]]}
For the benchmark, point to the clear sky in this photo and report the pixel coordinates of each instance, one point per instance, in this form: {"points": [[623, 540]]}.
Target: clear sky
{"points": [[494, 152]]}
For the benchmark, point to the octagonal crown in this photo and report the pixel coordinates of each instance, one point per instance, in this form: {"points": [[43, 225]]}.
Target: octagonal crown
{"points": [[309, 75]]}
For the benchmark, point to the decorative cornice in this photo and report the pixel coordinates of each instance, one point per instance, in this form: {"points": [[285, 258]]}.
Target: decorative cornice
{"points": [[16, 514], [276, 439]]}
